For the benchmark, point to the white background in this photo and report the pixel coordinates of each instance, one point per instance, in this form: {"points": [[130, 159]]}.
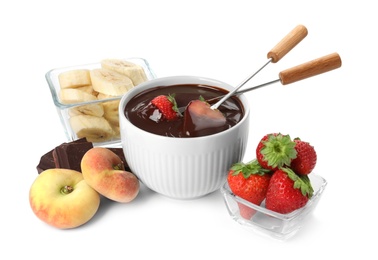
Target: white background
{"points": [[225, 40]]}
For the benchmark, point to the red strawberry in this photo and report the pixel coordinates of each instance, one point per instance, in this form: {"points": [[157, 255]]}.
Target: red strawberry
{"points": [[167, 106], [245, 211], [306, 157], [250, 182], [287, 191], [275, 150]]}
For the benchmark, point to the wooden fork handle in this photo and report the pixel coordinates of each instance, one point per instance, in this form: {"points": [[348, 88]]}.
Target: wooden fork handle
{"points": [[311, 68], [287, 43]]}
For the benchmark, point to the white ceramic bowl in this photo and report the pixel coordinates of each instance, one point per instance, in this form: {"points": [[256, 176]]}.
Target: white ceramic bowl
{"points": [[182, 168]]}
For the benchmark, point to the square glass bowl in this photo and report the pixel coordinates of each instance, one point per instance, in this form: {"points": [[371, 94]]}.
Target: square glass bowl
{"points": [[66, 111], [267, 222]]}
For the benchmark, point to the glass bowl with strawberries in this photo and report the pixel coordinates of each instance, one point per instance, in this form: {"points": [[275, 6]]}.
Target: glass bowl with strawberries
{"points": [[268, 222], [87, 96], [174, 142], [274, 192]]}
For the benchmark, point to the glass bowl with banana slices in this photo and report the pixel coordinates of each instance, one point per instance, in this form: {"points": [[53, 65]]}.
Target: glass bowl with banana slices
{"points": [[87, 96]]}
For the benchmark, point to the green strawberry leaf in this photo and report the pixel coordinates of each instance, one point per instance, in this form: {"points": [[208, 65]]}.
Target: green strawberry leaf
{"points": [[202, 98], [301, 182], [279, 150], [171, 98], [247, 169]]}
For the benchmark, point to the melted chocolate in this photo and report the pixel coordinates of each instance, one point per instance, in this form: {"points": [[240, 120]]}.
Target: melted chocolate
{"points": [[139, 111]]}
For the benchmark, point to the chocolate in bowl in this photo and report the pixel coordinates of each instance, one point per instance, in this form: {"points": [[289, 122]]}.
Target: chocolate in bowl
{"points": [[138, 110]]}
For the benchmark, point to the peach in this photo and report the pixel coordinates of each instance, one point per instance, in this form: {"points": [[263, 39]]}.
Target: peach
{"points": [[104, 171], [62, 198]]}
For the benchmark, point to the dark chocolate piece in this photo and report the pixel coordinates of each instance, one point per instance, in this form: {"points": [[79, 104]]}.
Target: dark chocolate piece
{"points": [[69, 155], [46, 162]]}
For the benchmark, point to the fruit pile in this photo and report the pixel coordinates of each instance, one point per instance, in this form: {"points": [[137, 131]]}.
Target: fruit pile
{"points": [[98, 122], [66, 198], [278, 175]]}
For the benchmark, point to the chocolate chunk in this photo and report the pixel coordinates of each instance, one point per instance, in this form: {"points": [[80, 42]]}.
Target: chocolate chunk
{"points": [[69, 155], [46, 162]]}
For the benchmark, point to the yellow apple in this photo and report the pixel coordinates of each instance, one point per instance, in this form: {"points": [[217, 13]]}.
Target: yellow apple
{"points": [[104, 171], [62, 198]]}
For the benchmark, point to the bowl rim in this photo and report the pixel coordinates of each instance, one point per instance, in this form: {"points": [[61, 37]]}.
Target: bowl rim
{"points": [[142, 87]]}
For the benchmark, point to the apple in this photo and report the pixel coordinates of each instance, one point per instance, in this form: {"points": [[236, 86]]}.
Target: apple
{"points": [[62, 198], [104, 171]]}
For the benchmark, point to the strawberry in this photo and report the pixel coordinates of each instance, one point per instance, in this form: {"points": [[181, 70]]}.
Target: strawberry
{"points": [[306, 157], [287, 191], [201, 119], [275, 150], [167, 106], [250, 182]]}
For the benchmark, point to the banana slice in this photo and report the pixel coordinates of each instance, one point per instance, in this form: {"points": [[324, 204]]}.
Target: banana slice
{"points": [[110, 109], [91, 109], [73, 95], [116, 130], [111, 112], [133, 71], [94, 129], [74, 78], [104, 96], [89, 89], [110, 82], [78, 95]]}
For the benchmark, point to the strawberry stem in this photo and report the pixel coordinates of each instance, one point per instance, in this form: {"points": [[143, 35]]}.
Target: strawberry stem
{"points": [[252, 167], [301, 182], [171, 98], [279, 150]]}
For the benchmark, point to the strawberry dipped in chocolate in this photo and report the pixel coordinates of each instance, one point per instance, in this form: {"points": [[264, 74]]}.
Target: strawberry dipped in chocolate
{"points": [[165, 108], [200, 119]]}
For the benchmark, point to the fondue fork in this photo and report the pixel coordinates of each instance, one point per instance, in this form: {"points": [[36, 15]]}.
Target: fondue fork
{"points": [[276, 54], [305, 70]]}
